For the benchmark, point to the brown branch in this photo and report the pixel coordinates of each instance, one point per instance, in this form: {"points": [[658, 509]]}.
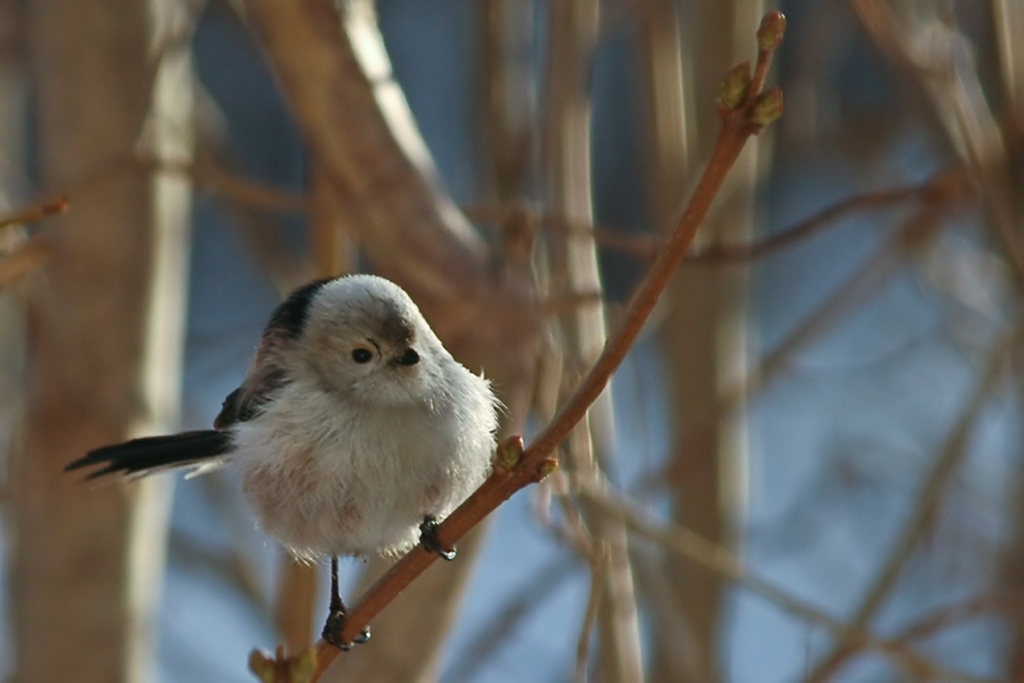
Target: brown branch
{"points": [[948, 616], [598, 587], [232, 186], [35, 213], [738, 124], [940, 189], [26, 255], [208, 175], [943, 188]]}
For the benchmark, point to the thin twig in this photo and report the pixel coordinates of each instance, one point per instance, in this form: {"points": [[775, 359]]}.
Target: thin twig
{"points": [[947, 617], [572, 532], [598, 588], [232, 186], [27, 254], [35, 213], [942, 188]]}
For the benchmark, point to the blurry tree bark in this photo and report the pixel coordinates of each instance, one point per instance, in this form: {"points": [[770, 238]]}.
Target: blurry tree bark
{"points": [[703, 335], [573, 33], [507, 33], [13, 118], [674, 657], [106, 322]]}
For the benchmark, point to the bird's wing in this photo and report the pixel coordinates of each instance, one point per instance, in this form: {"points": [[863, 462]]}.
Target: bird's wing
{"points": [[265, 377], [266, 374]]}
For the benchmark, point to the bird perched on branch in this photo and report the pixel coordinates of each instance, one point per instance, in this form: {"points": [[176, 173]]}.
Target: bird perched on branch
{"points": [[354, 430]]}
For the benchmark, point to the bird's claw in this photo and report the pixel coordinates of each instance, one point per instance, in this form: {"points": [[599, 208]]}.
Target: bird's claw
{"points": [[429, 540], [333, 628]]}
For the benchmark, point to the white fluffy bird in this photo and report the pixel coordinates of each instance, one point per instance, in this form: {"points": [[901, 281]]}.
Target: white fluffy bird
{"points": [[353, 431]]}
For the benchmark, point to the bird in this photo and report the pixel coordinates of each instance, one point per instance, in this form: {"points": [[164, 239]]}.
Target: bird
{"points": [[354, 430]]}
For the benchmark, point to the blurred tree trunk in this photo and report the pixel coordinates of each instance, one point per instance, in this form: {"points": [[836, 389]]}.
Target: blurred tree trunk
{"points": [[106, 324], [675, 653], [13, 122], [703, 334], [573, 32]]}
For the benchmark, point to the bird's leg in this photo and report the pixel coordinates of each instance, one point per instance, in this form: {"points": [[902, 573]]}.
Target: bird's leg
{"points": [[429, 540], [338, 614]]}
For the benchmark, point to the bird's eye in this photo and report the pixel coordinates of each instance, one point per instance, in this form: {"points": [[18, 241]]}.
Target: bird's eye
{"points": [[362, 355], [410, 358]]}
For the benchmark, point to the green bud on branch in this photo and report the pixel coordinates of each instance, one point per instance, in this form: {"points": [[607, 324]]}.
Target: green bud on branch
{"points": [[508, 455], [546, 468], [302, 668], [767, 108], [263, 666], [771, 31], [735, 86]]}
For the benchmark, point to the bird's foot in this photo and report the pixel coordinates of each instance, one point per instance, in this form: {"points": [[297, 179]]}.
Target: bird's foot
{"points": [[429, 540], [335, 625]]}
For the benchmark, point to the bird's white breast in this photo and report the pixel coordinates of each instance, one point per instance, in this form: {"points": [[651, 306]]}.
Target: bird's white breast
{"points": [[330, 476]]}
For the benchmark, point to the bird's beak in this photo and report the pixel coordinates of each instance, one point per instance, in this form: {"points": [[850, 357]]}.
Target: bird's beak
{"points": [[407, 357]]}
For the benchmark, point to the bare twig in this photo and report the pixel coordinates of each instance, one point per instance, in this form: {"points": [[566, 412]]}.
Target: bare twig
{"points": [[948, 616], [232, 186], [598, 588], [25, 255], [612, 610], [206, 174], [941, 188], [35, 213]]}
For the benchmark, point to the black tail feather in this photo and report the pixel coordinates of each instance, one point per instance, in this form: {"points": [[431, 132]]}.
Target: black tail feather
{"points": [[141, 456]]}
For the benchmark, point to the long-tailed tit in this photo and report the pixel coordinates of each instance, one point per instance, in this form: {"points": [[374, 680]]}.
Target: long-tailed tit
{"points": [[353, 431]]}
